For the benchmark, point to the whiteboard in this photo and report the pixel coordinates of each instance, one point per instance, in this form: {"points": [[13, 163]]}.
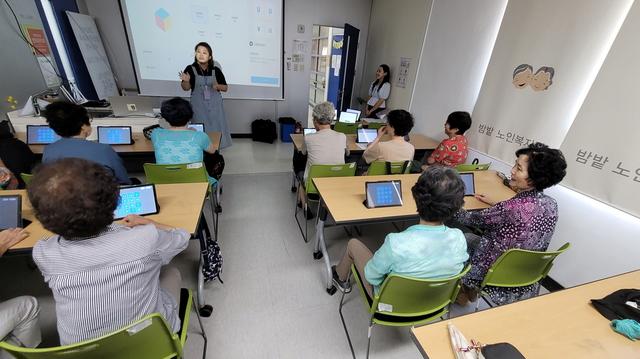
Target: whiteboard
{"points": [[95, 58]]}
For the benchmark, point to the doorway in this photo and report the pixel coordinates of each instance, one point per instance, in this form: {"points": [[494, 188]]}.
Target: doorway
{"points": [[326, 56]]}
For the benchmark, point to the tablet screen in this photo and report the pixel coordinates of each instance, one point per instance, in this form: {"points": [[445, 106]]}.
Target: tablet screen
{"points": [[40, 135], [10, 212], [112, 135], [348, 117], [357, 112], [383, 194], [469, 184], [139, 200], [308, 131], [367, 135], [197, 126]]}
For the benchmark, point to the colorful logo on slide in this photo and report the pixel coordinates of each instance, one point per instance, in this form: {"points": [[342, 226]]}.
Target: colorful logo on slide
{"points": [[163, 21]]}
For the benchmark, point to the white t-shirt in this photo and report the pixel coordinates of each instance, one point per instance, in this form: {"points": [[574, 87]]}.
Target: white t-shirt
{"points": [[325, 147], [382, 93]]}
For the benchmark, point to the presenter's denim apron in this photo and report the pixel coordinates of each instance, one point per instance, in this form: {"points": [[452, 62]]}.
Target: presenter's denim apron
{"points": [[207, 107]]}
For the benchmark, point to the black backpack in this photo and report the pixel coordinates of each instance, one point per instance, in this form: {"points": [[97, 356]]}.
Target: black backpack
{"points": [[212, 258], [214, 163], [263, 131]]}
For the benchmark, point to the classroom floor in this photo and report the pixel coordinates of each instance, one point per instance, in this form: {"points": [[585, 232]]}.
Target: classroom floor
{"points": [[273, 303]]}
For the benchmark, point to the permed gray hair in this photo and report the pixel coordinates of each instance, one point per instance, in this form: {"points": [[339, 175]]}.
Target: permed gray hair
{"points": [[324, 112]]}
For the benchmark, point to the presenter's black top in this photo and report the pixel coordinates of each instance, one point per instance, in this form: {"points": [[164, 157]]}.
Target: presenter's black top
{"points": [[218, 73]]}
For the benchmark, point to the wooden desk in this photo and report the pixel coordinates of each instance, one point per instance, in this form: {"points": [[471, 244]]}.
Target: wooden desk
{"points": [[420, 142], [557, 325], [180, 206], [343, 196], [141, 144]]}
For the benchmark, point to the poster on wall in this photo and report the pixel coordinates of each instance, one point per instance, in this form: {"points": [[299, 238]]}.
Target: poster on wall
{"points": [[601, 148], [540, 70], [403, 72], [36, 36]]}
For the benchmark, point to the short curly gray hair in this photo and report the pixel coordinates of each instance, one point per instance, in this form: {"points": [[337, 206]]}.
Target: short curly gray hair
{"points": [[324, 112]]}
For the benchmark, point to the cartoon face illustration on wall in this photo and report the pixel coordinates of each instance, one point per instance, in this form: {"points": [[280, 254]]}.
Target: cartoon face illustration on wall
{"points": [[522, 76], [542, 79]]}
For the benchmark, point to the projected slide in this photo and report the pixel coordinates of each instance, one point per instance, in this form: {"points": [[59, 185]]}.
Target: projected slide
{"points": [[246, 36]]}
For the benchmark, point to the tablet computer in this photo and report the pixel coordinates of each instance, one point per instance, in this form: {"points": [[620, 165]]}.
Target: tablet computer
{"points": [[469, 184], [197, 126], [10, 211], [366, 135], [40, 135], [348, 117], [357, 112], [138, 199], [308, 131], [383, 194], [115, 135]]}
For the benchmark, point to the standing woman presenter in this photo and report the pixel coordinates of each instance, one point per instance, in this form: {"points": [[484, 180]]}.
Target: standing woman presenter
{"points": [[206, 81], [378, 92]]}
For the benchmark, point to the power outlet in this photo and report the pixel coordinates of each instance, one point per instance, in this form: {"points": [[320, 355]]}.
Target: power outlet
{"points": [[300, 28]]}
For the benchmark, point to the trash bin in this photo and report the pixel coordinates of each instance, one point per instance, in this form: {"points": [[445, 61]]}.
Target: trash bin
{"points": [[287, 127]]}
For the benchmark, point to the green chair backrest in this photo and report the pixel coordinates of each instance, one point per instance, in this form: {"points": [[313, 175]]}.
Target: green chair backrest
{"points": [[376, 125], [26, 178], [181, 173], [317, 171], [519, 267], [467, 167], [379, 168], [147, 338], [346, 128]]}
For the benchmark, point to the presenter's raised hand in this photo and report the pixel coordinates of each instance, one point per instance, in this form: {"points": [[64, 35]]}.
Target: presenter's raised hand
{"points": [[185, 77]]}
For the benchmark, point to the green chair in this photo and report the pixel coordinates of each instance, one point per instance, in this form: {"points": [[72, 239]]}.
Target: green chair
{"points": [[26, 178], [317, 171], [346, 128], [380, 168], [518, 268], [147, 338], [376, 125], [404, 301], [468, 167]]}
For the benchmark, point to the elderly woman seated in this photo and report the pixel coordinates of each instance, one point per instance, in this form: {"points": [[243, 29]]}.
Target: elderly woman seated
{"points": [[428, 249], [526, 221]]}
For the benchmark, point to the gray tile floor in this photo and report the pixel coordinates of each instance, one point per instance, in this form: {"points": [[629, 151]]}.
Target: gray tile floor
{"points": [[273, 303]]}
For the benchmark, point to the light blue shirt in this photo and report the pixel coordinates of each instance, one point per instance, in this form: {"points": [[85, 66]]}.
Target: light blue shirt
{"points": [[180, 146], [420, 251]]}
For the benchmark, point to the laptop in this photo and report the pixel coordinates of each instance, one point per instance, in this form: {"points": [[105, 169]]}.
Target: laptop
{"points": [[469, 184], [10, 211], [115, 135], [357, 112], [383, 194], [123, 106], [308, 131], [196, 126], [348, 117], [366, 135], [40, 135], [138, 199]]}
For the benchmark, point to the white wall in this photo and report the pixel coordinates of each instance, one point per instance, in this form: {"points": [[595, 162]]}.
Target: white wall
{"points": [[457, 46], [396, 30], [240, 113]]}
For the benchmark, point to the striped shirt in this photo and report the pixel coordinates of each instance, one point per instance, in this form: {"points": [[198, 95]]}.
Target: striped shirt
{"points": [[101, 284]]}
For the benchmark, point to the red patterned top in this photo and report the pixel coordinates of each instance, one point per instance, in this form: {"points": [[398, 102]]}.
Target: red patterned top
{"points": [[451, 151]]}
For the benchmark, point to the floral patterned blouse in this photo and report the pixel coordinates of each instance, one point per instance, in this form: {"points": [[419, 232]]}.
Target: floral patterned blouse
{"points": [[526, 221]]}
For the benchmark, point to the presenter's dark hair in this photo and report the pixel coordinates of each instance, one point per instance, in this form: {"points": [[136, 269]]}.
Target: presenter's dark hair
{"points": [[208, 47], [66, 119], [74, 198], [401, 121], [460, 120], [386, 77], [177, 111], [439, 193], [547, 166]]}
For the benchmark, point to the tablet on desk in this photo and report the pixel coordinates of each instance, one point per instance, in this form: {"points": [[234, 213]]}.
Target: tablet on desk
{"points": [[308, 131], [139, 199], [348, 117], [197, 126], [469, 184], [357, 112], [366, 135], [40, 135], [383, 194], [10, 211], [115, 135]]}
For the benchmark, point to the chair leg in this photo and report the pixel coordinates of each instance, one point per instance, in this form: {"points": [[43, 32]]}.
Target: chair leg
{"points": [[203, 333], [295, 215], [344, 324], [369, 332], [206, 309]]}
